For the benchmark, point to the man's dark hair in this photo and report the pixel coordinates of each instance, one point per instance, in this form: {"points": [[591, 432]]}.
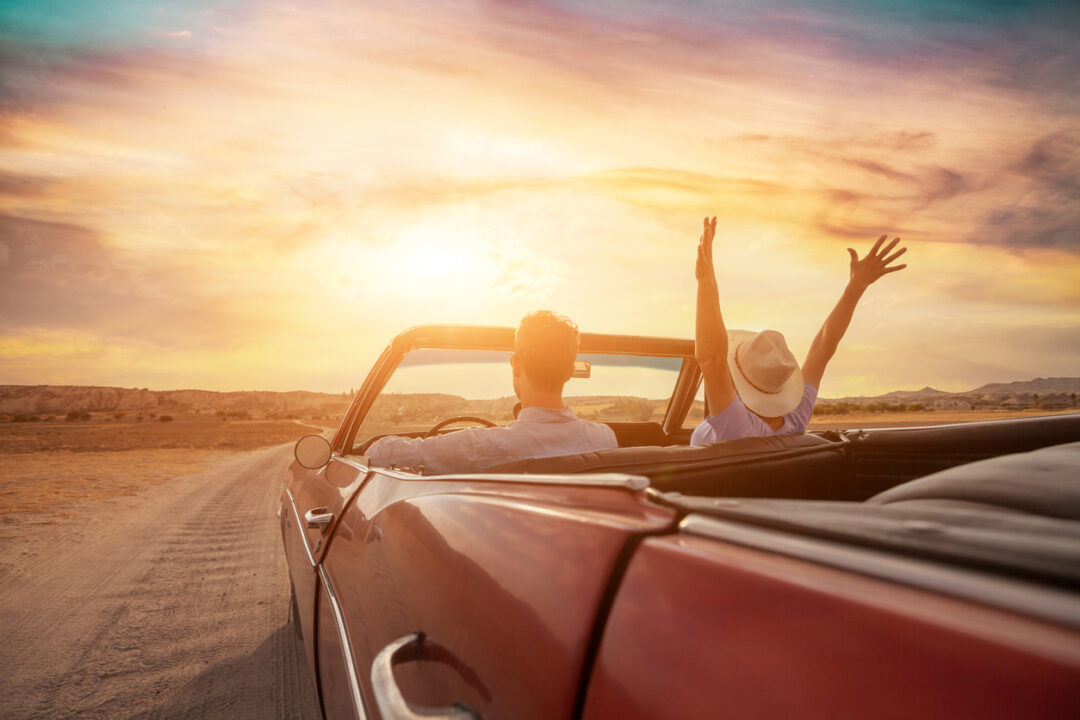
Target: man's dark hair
{"points": [[546, 345]]}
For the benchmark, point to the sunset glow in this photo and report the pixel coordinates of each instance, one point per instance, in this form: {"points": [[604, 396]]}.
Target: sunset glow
{"points": [[240, 195]]}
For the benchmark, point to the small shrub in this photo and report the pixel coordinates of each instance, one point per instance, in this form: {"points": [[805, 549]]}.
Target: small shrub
{"points": [[119, 414], [916, 407], [165, 418], [72, 416]]}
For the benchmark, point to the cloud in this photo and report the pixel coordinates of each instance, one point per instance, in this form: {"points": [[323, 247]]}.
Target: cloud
{"points": [[1043, 208], [22, 185], [939, 184], [57, 273], [62, 276], [879, 168]]}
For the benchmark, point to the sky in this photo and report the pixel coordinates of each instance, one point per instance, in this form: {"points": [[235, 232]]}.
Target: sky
{"points": [[260, 195]]}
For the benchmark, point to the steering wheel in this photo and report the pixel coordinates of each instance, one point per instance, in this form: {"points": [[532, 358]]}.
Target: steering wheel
{"points": [[458, 418]]}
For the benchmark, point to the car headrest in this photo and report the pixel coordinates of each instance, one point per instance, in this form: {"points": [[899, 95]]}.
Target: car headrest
{"points": [[1042, 482]]}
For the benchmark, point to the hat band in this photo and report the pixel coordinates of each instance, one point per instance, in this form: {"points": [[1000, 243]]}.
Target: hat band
{"points": [[747, 377]]}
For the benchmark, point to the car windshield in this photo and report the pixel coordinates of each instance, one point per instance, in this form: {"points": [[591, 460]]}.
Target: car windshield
{"points": [[432, 385]]}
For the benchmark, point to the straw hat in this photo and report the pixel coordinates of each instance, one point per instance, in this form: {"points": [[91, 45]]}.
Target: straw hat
{"points": [[766, 374]]}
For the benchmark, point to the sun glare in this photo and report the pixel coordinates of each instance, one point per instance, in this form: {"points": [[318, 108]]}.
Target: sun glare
{"points": [[427, 261], [441, 258]]}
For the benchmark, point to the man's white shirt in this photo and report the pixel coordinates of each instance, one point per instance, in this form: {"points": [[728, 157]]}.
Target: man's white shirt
{"points": [[537, 433]]}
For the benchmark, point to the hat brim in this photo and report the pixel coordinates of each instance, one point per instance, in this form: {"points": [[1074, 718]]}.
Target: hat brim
{"points": [[763, 403]]}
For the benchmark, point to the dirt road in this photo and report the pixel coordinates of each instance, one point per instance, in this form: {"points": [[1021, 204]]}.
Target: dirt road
{"points": [[173, 603]]}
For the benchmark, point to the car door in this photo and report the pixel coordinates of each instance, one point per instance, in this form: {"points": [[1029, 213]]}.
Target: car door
{"points": [[723, 620], [312, 503], [504, 576]]}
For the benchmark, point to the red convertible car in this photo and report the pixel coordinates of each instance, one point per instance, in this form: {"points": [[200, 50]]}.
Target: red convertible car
{"points": [[887, 573]]}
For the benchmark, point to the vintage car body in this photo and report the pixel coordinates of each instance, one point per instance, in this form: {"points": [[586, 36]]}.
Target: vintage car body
{"points": [[798, 576]]}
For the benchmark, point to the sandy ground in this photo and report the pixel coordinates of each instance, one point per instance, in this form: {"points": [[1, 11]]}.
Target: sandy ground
{"points": [[168, 602]]}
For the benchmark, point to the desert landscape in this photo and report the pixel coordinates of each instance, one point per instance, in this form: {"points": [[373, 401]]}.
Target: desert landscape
{"points": [[139, 548], [256, 197]]}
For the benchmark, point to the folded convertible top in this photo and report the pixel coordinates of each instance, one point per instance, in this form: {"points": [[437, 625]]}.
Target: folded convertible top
{"points": [[1015, 515]]}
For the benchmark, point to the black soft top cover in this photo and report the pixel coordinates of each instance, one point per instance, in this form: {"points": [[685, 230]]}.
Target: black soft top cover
{"points": [[1016, 515]]}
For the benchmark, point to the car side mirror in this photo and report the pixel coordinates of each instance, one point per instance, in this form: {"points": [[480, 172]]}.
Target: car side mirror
{"points": [[312, 451], [582, 369]]}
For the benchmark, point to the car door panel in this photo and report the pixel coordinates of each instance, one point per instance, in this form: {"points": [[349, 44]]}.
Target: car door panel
{"points": [[506, 579], [310, 490], [702, 628]]}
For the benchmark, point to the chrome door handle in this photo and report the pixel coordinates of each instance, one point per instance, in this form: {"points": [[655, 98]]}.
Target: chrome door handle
{"points": [[318, 517], [392, 704]]}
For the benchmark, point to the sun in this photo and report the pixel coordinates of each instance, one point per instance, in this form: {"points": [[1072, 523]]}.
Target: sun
{"points": [[441, 258], [427, 261]]}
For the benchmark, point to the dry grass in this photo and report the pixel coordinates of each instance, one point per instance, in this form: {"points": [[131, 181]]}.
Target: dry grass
{"points": [[50, 471], [205, 434]]}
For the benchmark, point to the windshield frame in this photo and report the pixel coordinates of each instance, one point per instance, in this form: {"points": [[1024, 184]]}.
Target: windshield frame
{"points": [[465, 337]]}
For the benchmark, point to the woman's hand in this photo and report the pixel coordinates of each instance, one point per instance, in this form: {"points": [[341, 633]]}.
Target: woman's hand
{"points": [[875, 264], [704, 268]]}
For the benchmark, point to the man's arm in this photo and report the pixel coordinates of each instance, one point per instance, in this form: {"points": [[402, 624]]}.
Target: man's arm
{"points": [[450, 452], [863, 274], [710, 336]]}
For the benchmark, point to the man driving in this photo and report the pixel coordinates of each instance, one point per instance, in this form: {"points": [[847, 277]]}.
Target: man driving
{"points": [[545, 347]]}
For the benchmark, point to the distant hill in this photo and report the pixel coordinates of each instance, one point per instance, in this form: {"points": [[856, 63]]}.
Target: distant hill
{"points": [[925, 392], [62, 399], [1038, 385], [1037, 394]]}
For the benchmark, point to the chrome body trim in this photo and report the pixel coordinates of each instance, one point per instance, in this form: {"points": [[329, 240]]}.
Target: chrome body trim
{"points": [[300, 525], [1014, 596], [612, 480], [346, 646], [865, 432], [360, 462]]}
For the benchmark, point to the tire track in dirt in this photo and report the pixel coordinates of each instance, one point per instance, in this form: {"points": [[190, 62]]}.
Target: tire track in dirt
{"points": [[174, 604]]}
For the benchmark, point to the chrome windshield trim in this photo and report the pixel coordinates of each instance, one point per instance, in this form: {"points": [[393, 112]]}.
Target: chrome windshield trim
{"points": [[346, 645], [300, 527], [360, 462], [1013, 595], [612, 480]]}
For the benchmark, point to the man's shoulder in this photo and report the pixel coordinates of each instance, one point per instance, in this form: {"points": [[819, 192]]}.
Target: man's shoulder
{"points": [[599, 428]]}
